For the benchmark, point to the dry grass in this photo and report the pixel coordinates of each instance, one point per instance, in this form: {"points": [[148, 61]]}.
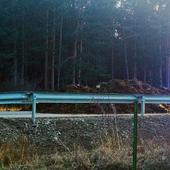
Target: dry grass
{"points": [[18, 153], [22, 155], [14, 108], [155, 157], [7, 108], [107, 156]]}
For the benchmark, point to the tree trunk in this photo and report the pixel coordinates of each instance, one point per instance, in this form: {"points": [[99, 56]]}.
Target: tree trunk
{"points": [[135, 64], [46, 53], [15, 69], [15, 54], [150, 79], [144, 75], [80, 62], [160, 68], [74, 62], [126, 60], [53, 52], [60, 53], [23, 51], [167, 63], [160, 74], [125, 47], [112, 58], [135, 45], [168, 72]]}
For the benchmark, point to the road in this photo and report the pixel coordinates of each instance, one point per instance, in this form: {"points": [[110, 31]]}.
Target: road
{"points": [[27, 114]]}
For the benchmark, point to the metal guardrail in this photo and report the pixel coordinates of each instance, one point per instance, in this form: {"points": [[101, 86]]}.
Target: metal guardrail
{"points": [[32, 98], [38, 97]]}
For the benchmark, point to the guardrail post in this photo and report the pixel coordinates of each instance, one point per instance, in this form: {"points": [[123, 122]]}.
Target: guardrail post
{"points": [[135, 135], [33, 108], [142, 106]]}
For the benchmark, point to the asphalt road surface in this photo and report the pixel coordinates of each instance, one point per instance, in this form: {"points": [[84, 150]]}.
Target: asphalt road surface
{"points": [[27, 114]]}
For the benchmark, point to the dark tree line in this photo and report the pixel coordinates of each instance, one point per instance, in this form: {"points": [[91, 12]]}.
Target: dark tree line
{"points": [[47, 44]]}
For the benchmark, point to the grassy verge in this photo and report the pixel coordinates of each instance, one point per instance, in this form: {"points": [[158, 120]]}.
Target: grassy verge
{"points": [[22, 155]]}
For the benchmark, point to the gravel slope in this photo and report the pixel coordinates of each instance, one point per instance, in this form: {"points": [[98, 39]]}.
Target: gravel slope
{"points": [[87, 132]]}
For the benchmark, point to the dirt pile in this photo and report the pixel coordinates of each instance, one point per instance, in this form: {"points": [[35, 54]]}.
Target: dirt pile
{"points": [[118, 86], [79, 89], [130, 86]]}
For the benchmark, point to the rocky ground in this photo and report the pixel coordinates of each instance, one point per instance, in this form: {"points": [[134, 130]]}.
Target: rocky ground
{"points": [[52, 136]]}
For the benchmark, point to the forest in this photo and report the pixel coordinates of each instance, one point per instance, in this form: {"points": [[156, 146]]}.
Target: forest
{"points": [[48, 44]]}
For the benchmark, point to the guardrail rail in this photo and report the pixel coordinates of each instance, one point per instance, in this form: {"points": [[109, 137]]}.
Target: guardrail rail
{"points": [[33, 98]]}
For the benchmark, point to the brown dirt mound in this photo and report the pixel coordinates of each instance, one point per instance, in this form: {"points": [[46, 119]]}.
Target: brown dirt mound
{"points": [[113, 86], [131, 86]]}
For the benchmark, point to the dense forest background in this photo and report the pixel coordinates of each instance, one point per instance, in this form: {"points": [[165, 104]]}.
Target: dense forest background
{"points": [[48, 44]]}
